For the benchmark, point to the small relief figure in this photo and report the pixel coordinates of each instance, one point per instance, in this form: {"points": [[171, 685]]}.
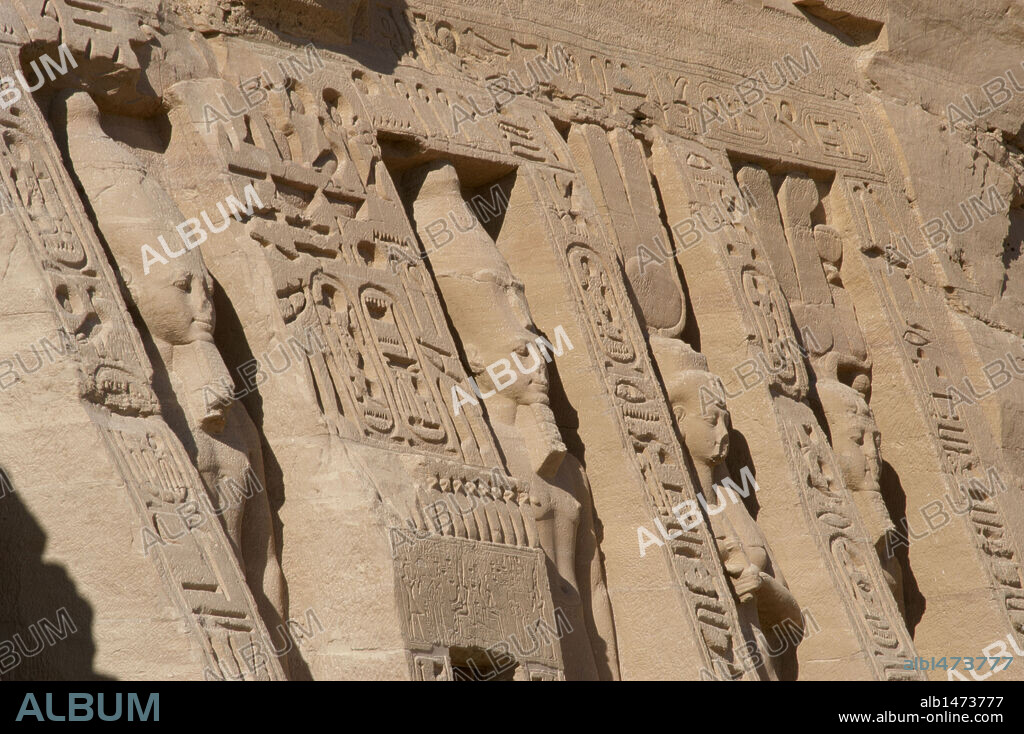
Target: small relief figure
{"points": [[857, 445], [173, 303], [704, 426]]}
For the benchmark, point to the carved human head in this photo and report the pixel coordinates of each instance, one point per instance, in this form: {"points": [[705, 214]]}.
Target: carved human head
{"points": [[176, 301], [507, 353], [174, 297], [856, 440], [695, 396]]}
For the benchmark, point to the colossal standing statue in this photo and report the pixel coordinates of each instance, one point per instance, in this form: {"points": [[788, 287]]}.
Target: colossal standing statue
{"points": [[489, 311], [174, 301]]}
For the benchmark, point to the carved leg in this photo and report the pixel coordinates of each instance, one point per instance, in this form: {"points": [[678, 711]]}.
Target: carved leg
{"points": [[259, 548], [893, 574], [566, 523], [596, 603]]}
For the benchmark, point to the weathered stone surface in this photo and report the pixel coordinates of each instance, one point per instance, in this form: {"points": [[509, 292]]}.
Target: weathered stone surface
{"points": [[394, 339]]}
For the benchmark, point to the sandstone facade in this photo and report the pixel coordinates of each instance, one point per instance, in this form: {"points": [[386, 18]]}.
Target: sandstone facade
{"points": [[384, 339]]}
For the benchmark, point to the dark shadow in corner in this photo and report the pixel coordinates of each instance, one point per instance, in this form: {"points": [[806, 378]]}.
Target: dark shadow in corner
{"points": [[737, 459], [848, 29], [375, 33], [1014, 242], [783, 640], [229, 337], [896, 502], [32, 591]]}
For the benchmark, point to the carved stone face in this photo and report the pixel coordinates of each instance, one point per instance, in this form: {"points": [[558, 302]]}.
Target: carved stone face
{"points": [[856, 440], [176, 301], [516, 348], [529, 389], [857, 445], [705, 429], [706, 436]]}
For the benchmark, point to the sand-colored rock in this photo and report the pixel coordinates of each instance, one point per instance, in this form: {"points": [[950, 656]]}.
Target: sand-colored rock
{"points": [[392, 339]]}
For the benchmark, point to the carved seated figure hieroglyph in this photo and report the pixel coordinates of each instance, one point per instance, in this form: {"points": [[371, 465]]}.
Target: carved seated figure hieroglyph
{"points": [[490, 314], [704, 425], [175, 304]]}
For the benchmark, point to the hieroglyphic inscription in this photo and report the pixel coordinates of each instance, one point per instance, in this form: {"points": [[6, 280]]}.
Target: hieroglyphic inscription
{"points": [[917, 329], [596, 281], [457, 593], [583, 80], [851, 558], [695, 178], [202, 575], [355, 283]]}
